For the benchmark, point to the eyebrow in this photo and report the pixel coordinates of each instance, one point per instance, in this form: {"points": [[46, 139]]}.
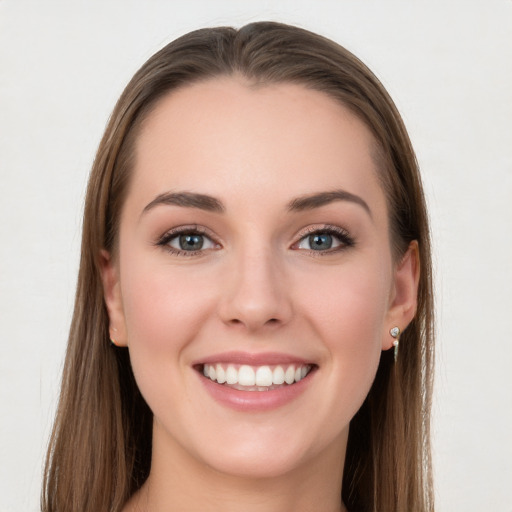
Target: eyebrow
{"points": [[186, 200], [319, 199], [212, 204]]}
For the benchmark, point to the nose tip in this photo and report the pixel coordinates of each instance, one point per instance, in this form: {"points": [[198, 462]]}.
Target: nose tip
{"points": [[255, 296]]}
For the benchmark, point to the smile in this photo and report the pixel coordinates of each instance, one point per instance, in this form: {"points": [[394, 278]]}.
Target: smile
{"points": [[256, 378], [255, 383]]}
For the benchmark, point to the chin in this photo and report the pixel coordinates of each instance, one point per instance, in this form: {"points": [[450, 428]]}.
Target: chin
{"points": [[258, 466], [267, 452]]}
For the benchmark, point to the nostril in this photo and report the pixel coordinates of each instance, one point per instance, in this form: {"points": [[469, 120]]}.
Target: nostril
{"points": [[269, 322]]}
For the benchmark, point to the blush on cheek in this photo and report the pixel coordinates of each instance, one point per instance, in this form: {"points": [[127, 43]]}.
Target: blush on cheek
{"points": [[347, 308], [158, 306], [348, 313]]}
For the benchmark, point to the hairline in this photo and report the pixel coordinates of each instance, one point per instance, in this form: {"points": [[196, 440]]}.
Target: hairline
{"points": [[377, 153]]}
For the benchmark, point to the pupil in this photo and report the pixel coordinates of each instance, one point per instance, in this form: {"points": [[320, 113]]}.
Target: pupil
{"points": [[191, 242], [320, 241]]}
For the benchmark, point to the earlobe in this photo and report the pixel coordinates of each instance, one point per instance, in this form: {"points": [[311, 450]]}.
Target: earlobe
{"points": [[113, 299], [404, 297]]}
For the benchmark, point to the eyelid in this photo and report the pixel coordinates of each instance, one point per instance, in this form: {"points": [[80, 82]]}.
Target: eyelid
{"points": [[346, 240], [187, 228], [344, 237], [164, 240]]}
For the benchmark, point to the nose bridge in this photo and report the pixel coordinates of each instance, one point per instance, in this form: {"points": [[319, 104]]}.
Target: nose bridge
{"points": [[255, 294]]}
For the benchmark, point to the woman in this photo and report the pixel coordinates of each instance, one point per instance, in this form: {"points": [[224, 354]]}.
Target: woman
{"points": [[253, 324]]}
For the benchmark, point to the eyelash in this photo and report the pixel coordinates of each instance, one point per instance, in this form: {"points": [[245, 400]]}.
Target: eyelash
{"points": [[184, 230], [346, 241], [343, 236]]}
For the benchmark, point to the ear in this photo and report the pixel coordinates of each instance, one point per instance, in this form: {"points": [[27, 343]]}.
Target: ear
{"points": [[404, 293], [113, 299]]}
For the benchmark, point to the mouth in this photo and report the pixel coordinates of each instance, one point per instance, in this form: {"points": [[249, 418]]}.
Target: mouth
{"points": [[244, 377], [249, 382]]}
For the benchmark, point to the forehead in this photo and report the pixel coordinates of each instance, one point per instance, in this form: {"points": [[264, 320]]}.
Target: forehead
{"points": [[223, 134]]}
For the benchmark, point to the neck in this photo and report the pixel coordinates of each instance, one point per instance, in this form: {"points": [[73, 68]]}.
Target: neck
{"points": [[182, 483]]}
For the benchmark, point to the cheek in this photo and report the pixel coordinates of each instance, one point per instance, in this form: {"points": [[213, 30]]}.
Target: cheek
{"points": [[164, 311], [161, 301], [164, 308], [155, 311], [347, 304], [347, 309]]}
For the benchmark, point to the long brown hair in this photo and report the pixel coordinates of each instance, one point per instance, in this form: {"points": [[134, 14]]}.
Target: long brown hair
{"points": [[100, 448]]}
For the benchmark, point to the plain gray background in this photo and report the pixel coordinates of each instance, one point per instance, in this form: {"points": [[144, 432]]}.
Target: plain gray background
{"points": [[448, 67]]}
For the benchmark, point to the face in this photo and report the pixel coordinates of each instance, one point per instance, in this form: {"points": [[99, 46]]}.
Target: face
{"points": [[254, 248]]}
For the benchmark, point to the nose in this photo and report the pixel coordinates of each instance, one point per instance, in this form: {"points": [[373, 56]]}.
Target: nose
{"points": [[256, 294]]}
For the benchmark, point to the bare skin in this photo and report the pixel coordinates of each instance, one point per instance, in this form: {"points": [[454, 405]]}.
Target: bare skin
{"points": [[288, 256]]}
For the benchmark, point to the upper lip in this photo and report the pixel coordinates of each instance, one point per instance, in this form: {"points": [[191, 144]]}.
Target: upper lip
{"points": [[252, 359]]}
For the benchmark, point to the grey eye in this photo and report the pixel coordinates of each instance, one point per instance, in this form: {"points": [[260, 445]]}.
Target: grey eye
{"points": [[191, 242], [320, 241]]}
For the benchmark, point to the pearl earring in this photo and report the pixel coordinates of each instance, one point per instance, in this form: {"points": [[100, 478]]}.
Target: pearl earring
{"points": [[395, 332]]}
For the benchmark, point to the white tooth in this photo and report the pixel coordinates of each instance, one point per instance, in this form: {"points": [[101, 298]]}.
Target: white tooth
{"points": [[206, 373], [278, 375], [246, 376], [289, 376], [303, 372], [221, 374], [297, 375], [211, 372], [263, 376], [231, 375]]}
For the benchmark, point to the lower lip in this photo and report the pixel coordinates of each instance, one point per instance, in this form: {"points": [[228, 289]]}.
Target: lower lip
{"points": [[254, 401]]}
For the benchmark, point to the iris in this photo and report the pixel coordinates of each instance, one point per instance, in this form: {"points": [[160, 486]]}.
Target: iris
{"points": [[320, 241], [191, 242]]}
